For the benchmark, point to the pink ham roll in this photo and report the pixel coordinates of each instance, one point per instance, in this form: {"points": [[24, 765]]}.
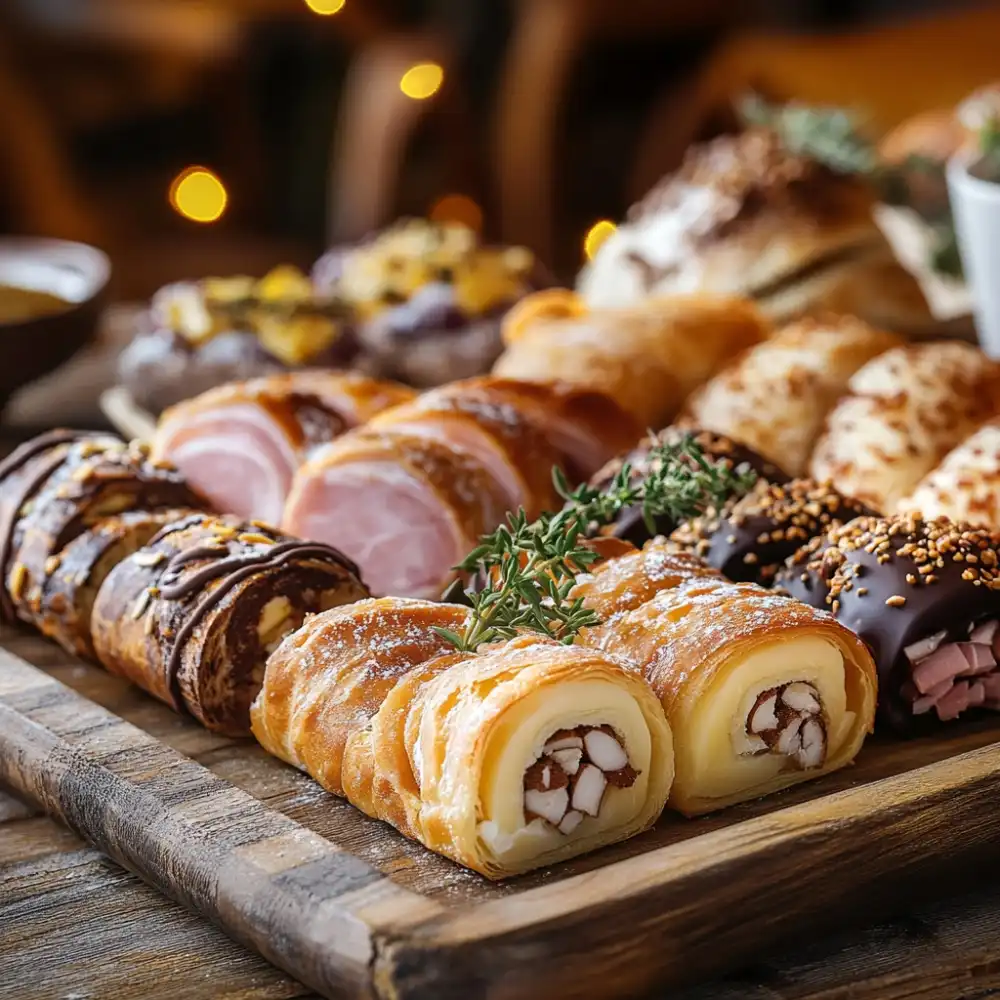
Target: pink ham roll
{"points": [[241, 443], [406, 508]]}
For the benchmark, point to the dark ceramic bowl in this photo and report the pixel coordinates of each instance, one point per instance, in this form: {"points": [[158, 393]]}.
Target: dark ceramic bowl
{"points": [[74, 272]]}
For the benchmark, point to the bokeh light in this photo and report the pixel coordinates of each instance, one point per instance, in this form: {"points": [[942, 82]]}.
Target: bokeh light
{"points": [[325, 6], [198, 194], [457, 208], [422, 81], [596, 235]]}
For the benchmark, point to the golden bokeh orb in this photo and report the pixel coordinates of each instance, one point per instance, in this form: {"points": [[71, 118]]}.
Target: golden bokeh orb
{"points": [[596, 235], [198, 194], [422, 80]]}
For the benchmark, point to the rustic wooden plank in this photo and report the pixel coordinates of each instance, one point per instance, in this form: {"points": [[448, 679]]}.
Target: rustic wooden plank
{"points": [[269, 882]]}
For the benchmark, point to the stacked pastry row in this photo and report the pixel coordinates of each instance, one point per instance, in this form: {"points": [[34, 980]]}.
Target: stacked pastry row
{"points": [[116, 557], [403, 484]]}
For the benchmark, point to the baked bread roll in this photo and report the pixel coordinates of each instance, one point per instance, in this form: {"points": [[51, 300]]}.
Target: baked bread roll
{"points": [[405, 508], [966, 485], [744, 216], [241, 443], [761, 691], [647, 357], [750, 539], [516, 452], [98, 478], [192, 616], [524, 754], [774, 398], [904, 411], [924, 595], [716, 448]]}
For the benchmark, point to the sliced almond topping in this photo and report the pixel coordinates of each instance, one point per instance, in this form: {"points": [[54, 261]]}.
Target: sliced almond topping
{"points": [[570, 821], [564, 739], [588, 789], [763, 717], [550, 805], [605, 751], [813, 744], [801, 698], [568, 760]]}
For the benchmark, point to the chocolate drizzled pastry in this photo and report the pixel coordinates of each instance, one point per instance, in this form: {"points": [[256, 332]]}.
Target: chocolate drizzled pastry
{"points": [[925, 597], [751, 537], [96, 477], [192, 617], [716, 448]]}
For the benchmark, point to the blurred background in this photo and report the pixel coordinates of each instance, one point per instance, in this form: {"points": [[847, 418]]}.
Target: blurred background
{"points": [[189, 137]]}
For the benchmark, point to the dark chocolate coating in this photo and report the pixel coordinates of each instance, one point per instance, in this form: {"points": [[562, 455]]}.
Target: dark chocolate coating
{"points": [[630, 524], [754, 535], [858, 586]]}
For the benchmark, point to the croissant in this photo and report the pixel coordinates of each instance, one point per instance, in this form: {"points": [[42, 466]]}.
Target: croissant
{"points": [[648, 358], [524, 754], [761, 691], [192, 616]]}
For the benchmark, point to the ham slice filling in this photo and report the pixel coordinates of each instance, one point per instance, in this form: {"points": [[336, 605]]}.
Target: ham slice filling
{"points": [[951, 677]]}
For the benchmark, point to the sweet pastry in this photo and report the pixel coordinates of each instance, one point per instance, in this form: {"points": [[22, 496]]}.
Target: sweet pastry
{"points": [[775, 397], [429, 297], [904, 411], [192, 616], [97, 478], [716, 448], [524, 754], [750, 538], [200, 334], [761, 691], [924, 595], [647, 357], [745, 216], [405, 507], [966, 485], [241, 443]]}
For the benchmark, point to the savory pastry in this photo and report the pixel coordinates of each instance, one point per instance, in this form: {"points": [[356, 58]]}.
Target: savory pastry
{"points": [[98, 478], [924, 595], [966, 485], [192, 616], [405, 508], [774, 398], [241, 443], [429, 297], [648, 357], [718, 449], [517, 452], [746, 216], [761, 691], [623, 582], [197, 335], [750, 538], [903, 412], [521, 755]]}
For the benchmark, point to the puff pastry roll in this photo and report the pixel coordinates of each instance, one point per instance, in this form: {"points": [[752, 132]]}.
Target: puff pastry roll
{"points": [[521, 755], [966, 485], [406, 508], [717, 448], [240, 443], [648, 358], [97, 478], [192, 616], [904, 411], [775, 397], [761, 692], [924, 595]]}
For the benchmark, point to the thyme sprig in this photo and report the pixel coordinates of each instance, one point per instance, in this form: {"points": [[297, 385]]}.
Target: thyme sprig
{"points": [[524, 571]]}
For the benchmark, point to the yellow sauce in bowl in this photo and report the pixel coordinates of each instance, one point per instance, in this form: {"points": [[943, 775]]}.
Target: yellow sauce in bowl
{"points": [[20, 304]]}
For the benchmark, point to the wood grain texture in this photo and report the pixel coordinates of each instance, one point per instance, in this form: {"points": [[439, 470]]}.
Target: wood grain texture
{"points": [[351, 908]]}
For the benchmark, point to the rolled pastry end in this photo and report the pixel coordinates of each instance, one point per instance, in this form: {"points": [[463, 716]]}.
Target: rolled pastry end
{"points": [[575, 753]]}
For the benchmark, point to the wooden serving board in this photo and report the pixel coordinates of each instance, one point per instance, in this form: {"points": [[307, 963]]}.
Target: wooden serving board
{"points": [[352, 909]]}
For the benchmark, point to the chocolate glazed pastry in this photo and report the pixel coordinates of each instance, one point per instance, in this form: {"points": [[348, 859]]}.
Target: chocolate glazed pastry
{"points": [[750, 539], [925, 597], [22, 474], [716, 447], [192, 616], [98, 478]]}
